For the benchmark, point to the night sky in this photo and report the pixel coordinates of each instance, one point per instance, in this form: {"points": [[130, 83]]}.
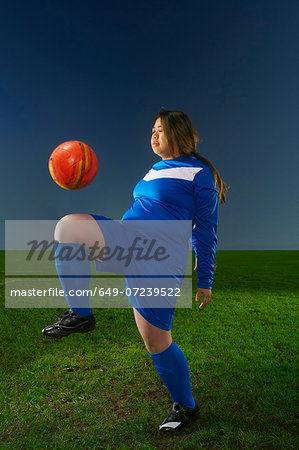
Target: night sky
{"points": [[100, 71]]}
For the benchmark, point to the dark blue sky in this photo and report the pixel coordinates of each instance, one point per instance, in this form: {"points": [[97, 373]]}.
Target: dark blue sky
{"points": [[99, 72]]}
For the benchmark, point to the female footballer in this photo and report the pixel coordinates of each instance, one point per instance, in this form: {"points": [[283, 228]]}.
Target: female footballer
{"points": [[182, 186]]}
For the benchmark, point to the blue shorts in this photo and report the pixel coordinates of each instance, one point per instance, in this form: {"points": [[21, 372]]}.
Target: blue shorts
{"points": [[116, 234]]}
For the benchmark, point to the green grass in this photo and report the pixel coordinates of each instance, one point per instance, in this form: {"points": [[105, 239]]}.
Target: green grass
{"points": [[101, 390]]}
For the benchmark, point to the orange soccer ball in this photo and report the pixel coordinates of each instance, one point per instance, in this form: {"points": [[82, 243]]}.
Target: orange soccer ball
{"points": [[73, 165]]}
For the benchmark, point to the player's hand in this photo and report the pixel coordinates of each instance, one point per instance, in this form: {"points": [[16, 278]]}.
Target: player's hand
{"points": [[195, 267], [205, 294]]}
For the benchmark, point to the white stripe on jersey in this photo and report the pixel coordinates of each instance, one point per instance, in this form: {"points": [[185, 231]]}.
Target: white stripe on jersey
{"points": [[182, 173]]}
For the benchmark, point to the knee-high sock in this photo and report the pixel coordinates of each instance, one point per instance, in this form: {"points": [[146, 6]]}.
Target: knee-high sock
{"points": [[173, 370], [73, 269]]}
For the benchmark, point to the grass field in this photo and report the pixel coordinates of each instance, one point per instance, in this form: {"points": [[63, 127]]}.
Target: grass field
{"points": [[101, 390]]}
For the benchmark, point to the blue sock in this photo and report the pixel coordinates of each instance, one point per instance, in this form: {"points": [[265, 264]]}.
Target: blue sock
{"points": [[172, 368], [73, 269]]}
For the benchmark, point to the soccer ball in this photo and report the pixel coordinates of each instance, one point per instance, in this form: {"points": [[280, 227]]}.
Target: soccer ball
{"points": [[73, 165]]}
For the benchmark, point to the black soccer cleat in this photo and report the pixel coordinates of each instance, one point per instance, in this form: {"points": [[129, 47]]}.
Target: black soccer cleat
{"points": [[179, 417], [68, 323]]}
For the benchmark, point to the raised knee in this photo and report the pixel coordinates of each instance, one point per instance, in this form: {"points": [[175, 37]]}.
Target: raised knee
{"points": [[65, 229], [68, 217]]}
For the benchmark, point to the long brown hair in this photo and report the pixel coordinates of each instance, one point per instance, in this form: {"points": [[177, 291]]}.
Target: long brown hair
{"points": [[179, 130]]}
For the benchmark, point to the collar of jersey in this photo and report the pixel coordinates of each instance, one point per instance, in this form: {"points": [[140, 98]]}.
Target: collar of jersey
{"points": [[179, 158]]}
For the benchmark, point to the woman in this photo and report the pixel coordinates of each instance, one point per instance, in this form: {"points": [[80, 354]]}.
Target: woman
{"points": [[182, 186]]}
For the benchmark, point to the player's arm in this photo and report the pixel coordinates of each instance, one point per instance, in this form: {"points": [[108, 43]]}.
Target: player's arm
{"points": [[204, 237]]}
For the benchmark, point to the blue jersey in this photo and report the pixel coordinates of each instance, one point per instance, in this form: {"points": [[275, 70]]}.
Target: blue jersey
{"points": [[182, 189]]}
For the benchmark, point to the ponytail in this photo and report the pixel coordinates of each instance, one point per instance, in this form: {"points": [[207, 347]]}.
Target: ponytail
{"points": [[221, 186]]}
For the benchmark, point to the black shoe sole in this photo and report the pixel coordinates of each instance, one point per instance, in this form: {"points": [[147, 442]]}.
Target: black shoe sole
{"points": [[63, 332], [178, 429], [193, 419]]}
